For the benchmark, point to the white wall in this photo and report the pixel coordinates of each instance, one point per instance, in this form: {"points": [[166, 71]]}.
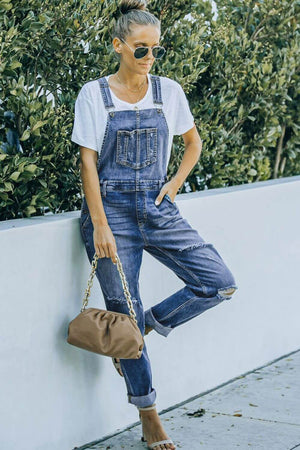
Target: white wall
{"points": [[56, 396]]}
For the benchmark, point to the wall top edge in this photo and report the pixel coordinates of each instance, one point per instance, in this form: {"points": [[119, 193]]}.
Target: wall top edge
{"points": [[13, 224]]}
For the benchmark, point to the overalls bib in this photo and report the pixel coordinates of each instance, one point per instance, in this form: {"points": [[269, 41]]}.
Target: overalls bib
{"points": [[132, 170]]}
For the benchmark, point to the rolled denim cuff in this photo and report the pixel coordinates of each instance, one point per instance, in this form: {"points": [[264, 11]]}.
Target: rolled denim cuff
{"points": [[142, 400], [153, 323]]}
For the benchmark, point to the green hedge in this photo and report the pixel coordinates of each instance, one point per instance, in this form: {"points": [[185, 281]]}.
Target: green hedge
{"points": [[239, 69]]}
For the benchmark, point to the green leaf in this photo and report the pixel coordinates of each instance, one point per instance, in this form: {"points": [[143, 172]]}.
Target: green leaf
{"points": [[39, 124], [8, 186], [25, 135], [252, 172], [14, 176], [15, 64], [31, 168]]}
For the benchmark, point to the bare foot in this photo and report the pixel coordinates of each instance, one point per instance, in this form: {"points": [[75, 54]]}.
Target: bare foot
{"points": [[153, 430]]}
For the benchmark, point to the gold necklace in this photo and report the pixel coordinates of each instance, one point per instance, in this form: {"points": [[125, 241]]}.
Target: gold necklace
{"points": [[132, 90]]}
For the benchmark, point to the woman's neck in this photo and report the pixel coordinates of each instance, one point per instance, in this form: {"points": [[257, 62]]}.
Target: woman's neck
{"points": [[133, 81]]}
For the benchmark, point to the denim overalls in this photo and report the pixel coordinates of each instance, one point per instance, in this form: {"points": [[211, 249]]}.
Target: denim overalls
{"points": [[132, 170]]}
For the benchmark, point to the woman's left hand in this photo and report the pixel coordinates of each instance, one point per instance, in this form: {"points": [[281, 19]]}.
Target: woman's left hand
{"points": [[169, 188]]}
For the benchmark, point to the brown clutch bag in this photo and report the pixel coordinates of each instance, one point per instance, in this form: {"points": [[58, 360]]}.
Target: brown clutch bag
{"points": [[106, 332]]}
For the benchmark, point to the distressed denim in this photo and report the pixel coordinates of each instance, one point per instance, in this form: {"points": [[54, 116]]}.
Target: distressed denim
{"points": [[132, 171]]}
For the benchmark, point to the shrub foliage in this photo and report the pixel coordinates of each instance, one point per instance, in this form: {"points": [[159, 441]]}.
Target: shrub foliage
{"points": [[239, 69]]}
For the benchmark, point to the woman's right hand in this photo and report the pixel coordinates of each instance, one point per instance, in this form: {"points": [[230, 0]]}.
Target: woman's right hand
{"points": [[104, 242]]}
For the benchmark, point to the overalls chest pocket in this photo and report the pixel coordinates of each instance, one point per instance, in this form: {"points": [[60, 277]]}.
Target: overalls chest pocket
{"points": [[136, 148]]}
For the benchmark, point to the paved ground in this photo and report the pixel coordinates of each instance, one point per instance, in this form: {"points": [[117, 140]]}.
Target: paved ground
{"points": [[259, 410]]}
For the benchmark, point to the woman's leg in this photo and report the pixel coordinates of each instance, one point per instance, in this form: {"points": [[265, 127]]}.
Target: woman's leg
{"points": [[208, 280], [137, 372]]}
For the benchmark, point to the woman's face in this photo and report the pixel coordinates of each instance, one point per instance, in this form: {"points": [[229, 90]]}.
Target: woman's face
{"points": [[142, 35]]}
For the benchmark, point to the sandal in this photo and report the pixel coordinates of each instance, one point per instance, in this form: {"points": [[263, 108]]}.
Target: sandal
{"points": [[116, 361], [154, 444]]}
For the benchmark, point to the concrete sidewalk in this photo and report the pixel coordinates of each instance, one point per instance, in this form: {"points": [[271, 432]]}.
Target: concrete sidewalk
{"points": [[259, 410]]}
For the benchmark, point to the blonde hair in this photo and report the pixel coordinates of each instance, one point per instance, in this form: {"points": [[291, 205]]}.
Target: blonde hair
{"points": [[133, 12]]}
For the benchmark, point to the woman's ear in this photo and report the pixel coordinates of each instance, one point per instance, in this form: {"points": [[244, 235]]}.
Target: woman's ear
{"points": [[117, 45]]}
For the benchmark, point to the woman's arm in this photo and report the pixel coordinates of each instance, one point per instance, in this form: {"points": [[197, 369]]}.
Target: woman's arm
{"points": [[91, 186], [192, 152], [104, 241]]}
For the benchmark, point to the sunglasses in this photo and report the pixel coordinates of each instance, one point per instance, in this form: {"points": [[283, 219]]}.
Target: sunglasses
{"points": [[157, 51]]}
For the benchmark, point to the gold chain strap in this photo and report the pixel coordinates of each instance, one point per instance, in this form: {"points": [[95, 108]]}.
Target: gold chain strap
{"points": [[124, 284]]}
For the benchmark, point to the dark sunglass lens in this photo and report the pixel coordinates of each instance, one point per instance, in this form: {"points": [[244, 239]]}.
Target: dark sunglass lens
{"points": [[158, 52], [140, 52]]}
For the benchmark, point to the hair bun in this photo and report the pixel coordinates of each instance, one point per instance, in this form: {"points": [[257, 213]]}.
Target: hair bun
{"points": [[128, 5]]}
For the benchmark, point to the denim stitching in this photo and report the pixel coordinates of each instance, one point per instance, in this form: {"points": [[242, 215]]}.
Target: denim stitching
{"points": [[154, 87], [151, 395], [86, 242], [159, 327], [85, 220], [166, 123], [138, 147], [104, 139], [122, 153], [159, 91], [182, 266], [169, 198], [104, 86], [181, 306]]}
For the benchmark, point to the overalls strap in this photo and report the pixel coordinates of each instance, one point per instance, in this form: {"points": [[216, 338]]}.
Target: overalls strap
{"points": [[107, 100], [105, 92], [156, 90]]}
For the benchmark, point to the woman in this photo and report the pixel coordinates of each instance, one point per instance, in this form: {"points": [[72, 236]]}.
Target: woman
{"points": [[124, 125]]}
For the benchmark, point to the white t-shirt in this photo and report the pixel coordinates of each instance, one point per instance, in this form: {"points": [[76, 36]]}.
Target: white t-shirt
{"points": [[91, 115]]}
